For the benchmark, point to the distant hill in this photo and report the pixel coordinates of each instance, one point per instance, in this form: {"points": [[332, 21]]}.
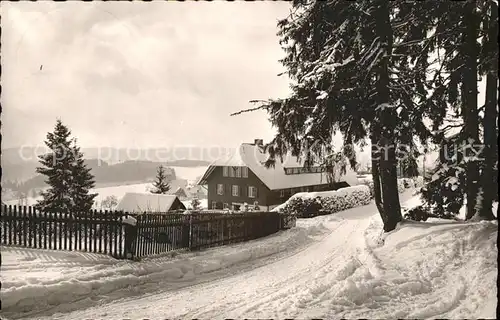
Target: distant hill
{"points": [[182, 156], [113, 174], [19, 164]]}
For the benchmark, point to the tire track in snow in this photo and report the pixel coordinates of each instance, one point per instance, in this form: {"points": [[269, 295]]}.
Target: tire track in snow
{"points": [[286, 293], [207, 278]]}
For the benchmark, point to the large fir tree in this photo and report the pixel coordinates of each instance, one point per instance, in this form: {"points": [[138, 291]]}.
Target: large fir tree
{"points": [[458, 28], [358, 68], [57, 166], [161, 185], [489, 67], [82, 182]]}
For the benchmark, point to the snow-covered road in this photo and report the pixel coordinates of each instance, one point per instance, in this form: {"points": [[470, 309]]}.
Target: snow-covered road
{"points": [[444, 270]]}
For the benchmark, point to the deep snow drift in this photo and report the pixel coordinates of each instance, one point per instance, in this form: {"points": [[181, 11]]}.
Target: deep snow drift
{"points": [[35, 280], [335, 266]]}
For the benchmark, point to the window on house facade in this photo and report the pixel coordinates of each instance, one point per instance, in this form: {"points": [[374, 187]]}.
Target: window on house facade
{"points": [[238, 172], [214, 205], [301, 170], [244, 172], [226, 206], [220, 189], [231, 172], [252, 192], [225, 171], [236, 191], [282, 193]]}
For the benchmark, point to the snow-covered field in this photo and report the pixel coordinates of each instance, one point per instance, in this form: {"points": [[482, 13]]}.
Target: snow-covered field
{"points": [[117, 191], [187, 173], [203, 204], [335, 266]]}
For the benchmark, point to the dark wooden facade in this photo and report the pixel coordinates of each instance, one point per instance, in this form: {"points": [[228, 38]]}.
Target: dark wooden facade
{"points": [[264, 197], [216, 178]]}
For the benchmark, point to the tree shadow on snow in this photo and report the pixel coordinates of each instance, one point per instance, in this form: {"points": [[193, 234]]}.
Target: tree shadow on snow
{"points": [[29, 254]]}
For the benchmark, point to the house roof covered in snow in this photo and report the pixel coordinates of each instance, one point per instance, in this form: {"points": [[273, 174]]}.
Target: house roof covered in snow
{"points": [[253, 157], [180, 192], [149, 202]]}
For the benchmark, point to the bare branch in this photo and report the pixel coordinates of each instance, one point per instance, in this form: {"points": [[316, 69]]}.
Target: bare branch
{"points": [[263, 107]]}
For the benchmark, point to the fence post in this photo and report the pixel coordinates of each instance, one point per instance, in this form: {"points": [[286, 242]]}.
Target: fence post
{"points": [[130, 224], [187, 233]]}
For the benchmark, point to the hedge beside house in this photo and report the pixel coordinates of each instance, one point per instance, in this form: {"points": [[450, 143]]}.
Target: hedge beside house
{"points": [[320, 203]]}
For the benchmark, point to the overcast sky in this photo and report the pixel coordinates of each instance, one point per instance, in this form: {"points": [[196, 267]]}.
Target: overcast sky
{"points": [[139, 74]]}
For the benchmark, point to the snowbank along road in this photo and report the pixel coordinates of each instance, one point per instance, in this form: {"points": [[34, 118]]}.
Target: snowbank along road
{"points": [[421, 270]]}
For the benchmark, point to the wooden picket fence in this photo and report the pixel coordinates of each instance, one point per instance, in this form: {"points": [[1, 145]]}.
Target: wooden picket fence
{"points": [[94, 231], [154, 233]]}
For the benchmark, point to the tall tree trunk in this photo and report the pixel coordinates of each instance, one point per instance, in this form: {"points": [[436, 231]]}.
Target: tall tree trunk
{"points": [[388, 117], [470, 51], [488, 186], [377, 189]]}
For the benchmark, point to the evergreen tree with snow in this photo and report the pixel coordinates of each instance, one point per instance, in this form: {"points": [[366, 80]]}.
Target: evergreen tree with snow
{"points": [[488, 66], [462, 59], [57, 166], [161, 185], [409, 166], [82, 182], [444, 194], [359, 69]]}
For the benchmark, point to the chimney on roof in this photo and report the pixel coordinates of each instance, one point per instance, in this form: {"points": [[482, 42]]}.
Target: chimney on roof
{"points": [[259, 142]]}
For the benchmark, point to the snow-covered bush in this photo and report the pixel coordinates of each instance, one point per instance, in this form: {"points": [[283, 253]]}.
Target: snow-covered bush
{"points": [[369, 184], [401, 186], [347, 198], [304, 207], [418, 182], [327, 202], [444, 195], [416, 214], [423, 212], [408, 183], [195, 203]]}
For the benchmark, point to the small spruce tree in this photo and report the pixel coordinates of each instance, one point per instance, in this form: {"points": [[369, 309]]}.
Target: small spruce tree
{"points": [[161, 185]]}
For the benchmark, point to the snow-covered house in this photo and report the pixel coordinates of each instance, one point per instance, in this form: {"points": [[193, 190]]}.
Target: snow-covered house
{"points": [[197, 191], [178, 188], [242, 178], [149, 202], [181, 193]]}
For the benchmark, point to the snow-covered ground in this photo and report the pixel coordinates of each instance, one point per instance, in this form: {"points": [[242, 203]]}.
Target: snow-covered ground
{"points": [[335, 266], [203, 204], [188, 173], [103, 193]]}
